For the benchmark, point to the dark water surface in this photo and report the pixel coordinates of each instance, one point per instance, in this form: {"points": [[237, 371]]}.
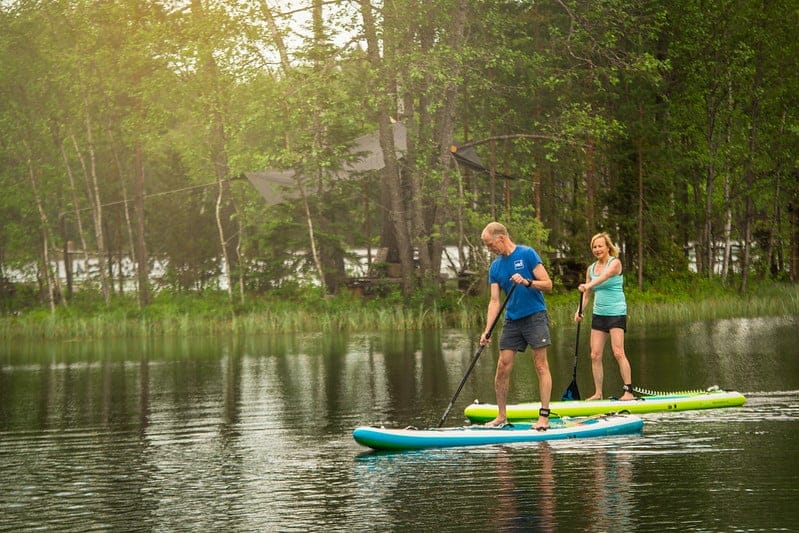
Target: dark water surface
{"points": [[254, 434]]}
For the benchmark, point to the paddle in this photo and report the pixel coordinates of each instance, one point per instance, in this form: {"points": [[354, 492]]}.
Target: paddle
{"points": [[572, 392], [475, 357]]}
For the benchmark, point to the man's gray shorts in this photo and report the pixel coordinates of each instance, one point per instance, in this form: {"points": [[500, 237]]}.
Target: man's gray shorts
{"points": [[531, 331]]}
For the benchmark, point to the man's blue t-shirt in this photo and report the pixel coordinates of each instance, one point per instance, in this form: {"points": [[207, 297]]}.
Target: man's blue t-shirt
{"points": [[525, 300]]}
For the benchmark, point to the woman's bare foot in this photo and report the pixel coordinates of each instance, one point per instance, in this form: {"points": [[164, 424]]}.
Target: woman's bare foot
{"points": [[542, 424], [497, 422], [627, 396], [594, 397]]}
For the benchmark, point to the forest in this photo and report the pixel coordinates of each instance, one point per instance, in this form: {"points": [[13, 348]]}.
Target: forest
{"points": [[133, 132]]}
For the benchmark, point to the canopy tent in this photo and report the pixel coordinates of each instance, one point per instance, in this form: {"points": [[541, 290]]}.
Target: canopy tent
{"points": [[278, 185]]}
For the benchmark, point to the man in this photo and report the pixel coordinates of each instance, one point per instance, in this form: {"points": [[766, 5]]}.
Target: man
{"points": [[526, 321]]}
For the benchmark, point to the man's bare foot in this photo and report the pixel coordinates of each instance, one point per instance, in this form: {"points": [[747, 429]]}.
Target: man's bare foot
{"points": [[627, 396], [594, 397], [497, 422]]}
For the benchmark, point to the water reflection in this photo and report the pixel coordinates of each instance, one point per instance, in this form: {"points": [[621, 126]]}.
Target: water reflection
{"points": [[254, 434], [610, 492], [526, 510]]}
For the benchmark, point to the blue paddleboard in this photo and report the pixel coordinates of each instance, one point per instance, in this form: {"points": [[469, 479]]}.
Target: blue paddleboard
{"points": [[381, 438]]}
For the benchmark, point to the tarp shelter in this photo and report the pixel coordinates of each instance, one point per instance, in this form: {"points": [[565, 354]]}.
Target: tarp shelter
{"points": [[467, 156], [279, 185]]}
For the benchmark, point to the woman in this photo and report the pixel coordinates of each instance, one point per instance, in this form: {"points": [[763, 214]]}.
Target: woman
{"points": [[604, 278]]}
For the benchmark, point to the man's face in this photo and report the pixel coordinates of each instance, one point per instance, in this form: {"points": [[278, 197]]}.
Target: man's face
{"points": [[495, 245]]}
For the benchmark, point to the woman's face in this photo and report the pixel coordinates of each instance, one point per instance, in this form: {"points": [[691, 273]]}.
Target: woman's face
{"points": [[599, 247]]}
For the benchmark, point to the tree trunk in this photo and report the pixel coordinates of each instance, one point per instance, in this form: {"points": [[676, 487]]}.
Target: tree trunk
{"points": [[76, 211], [142, 259], [277, 37], [750, 171], [590, 187], [280, 44], [707, 232], [641, 235], [446, 128], [240, 255], [217, 142], [392, 178], [220, 195], [775, 226], [311, 237], [67, 258], [126, 209], [51, 281], [793, 231], [97, 212], [725, 265], [699, 246]]}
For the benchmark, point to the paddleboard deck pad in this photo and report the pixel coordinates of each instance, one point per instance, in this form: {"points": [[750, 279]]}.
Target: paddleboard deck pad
{"points": [[711, 398], [381, 438]]}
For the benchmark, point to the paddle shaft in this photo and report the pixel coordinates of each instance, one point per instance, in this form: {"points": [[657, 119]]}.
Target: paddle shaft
{"points": [[476, 357], [577, 342], [572, 392]]}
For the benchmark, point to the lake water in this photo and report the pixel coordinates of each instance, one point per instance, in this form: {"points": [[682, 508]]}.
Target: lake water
{"points": [[255, 434]]}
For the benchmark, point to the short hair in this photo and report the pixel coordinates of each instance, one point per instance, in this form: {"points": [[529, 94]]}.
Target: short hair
{"points": [[495, 229], [612, 248]]}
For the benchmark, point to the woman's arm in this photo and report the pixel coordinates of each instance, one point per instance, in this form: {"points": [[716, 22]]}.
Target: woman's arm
{"points": [[611, 269]]}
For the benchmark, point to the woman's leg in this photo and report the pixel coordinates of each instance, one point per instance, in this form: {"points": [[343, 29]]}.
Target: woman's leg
{"points": [[617, 345], [597, 348]]}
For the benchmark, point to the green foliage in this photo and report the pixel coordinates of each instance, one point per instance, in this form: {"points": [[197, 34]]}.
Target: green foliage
{"points": [[676, 300], [525, 228], [680, 109], [678, 286]]}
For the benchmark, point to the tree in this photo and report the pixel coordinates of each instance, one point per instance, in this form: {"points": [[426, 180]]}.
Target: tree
{"points": [[670, 124]]}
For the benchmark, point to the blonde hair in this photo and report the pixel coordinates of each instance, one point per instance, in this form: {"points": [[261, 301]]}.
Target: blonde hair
{"points": [[612, 248], [495, 229]]}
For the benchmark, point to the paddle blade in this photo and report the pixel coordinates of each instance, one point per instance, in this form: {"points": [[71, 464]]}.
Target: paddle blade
{"points": [[571, 393]]}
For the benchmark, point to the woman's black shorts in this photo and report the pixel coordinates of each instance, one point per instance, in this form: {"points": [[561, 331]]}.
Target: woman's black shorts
{"points": [[607, 323]]}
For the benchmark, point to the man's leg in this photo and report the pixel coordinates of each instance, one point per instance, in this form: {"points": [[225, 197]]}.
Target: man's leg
{"points": [[501, 383], [544, 384]]}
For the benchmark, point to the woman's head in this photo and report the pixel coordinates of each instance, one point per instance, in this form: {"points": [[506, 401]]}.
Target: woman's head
{"points": [[612, 248]]}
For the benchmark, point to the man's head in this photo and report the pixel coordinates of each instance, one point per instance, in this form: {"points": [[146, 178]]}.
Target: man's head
{"points": [[495, 237]]}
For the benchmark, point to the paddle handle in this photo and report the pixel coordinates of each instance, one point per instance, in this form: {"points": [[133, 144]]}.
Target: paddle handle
{"points": [[475, 357]]}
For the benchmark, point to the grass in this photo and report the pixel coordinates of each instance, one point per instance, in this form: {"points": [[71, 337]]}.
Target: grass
{"points": [[212, 314]]}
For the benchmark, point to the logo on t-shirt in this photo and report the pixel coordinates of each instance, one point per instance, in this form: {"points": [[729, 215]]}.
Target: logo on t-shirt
{"points": [[518, 264]]}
